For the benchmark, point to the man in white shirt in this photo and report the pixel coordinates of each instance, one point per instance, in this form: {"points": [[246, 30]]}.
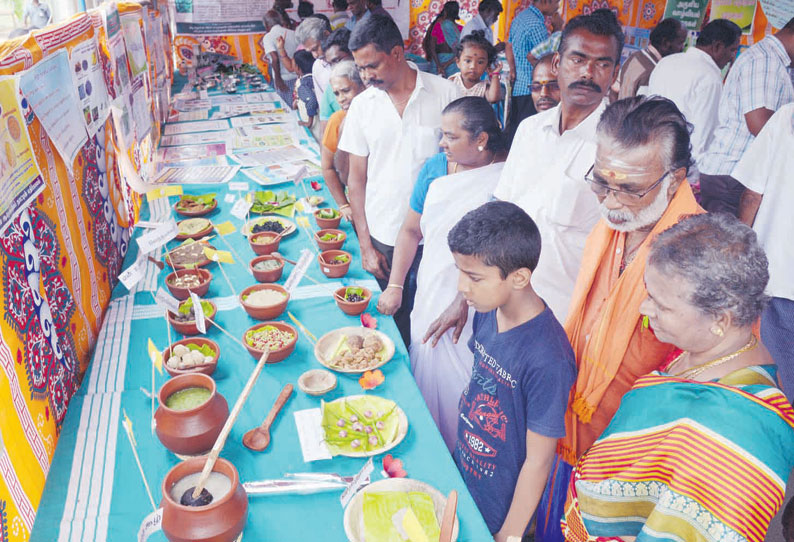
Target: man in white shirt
{"points": [[553, 150], [283, 79], [487, 13], [765, 169], [390, 130], [693, 80], [37, 14]]}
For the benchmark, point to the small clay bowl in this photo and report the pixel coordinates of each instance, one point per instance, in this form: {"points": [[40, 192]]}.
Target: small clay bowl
{"points": [[326, 223], [330, 245], [222, 520], [195, 236], [353, 308], [198, 263], [189, 328], [264, 313], [264, 242], [270, 275], [275, 355], [181, 293], [190, 432], [334, 270], [204, 368], [193, 214], [317, 382]]}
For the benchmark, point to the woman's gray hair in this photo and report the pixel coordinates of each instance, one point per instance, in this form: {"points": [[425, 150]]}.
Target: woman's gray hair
{"points": [[721, 259], [347, 69], [311, 28]]}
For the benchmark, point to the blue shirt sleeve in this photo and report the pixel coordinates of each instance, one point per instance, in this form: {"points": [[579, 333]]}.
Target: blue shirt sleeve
{"points": [[435, 167]]}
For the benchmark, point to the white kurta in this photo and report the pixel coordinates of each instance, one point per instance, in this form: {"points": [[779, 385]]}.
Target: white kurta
{"points": [[444, 371]]}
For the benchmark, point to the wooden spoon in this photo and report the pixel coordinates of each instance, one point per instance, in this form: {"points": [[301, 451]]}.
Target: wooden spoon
{"points": [[258, 438], [448, 520]]}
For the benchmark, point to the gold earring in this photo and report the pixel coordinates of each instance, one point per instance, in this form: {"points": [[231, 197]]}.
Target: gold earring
{"points": [[717, 331]]}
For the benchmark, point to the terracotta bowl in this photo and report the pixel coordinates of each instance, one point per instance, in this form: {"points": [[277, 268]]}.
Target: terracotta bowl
{"points": [[205, 277], [189, 328], [190, 432], [330, 245], [334, 270], [271, 275], [193, 214], [222, 520], [353, 308], [267, 242], [200, 263], [275, 355], [195, 236], [264, 313], [327, 222], [205, 368]]}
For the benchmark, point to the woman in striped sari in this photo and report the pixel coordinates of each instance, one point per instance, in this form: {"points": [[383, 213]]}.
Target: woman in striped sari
{"points": [[702, 450]]}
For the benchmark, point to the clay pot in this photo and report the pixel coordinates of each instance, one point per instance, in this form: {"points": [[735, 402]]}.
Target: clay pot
{"points": [[327, 222], [189, 328], [275, 355], [205, 368], [353, 308], [183, 293], [195, 236], [330, 245], [222, 520], [264, 242], [190, 432], [334, 270], [193, 214], [264, 313], [271, 275], [199, 263]]}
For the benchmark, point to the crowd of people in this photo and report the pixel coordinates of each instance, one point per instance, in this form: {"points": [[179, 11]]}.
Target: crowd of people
{"points": [[594, 296]]}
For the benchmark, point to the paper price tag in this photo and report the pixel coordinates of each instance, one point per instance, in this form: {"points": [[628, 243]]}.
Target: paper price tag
{"points": [[164, 192], [359, 480], [229, 198], [134, 273], [310, 434], [158, 236], [151, 524], [166, 300], [241, 208], [201, 325], [301, 266], [225, 228], [239, 186]]}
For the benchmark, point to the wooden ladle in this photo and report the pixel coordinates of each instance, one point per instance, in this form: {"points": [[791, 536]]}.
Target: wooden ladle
{"points": [[258, 438]]}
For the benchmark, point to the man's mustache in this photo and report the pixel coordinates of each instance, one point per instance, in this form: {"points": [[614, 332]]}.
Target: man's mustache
{"points": [[586, 85]]}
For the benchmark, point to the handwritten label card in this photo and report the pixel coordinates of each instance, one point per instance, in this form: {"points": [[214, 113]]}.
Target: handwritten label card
{"points": [[158, 236]]}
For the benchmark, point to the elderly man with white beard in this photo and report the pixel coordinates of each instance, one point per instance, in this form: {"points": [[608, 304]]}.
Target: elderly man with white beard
{"points": [[643, 155]]}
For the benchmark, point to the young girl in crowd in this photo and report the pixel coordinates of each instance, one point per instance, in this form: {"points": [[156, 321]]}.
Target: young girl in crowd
{"points": [[474, 56]]}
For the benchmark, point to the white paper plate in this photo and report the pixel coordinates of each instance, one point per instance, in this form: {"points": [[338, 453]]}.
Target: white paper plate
{"points": [[327, 343], [354, 513]]}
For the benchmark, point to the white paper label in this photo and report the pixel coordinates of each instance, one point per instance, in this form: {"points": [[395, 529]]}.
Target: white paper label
{"points": [[158, 236], [301, 266], [199, 312], [134, 273], [148, 224], [310, 434], [359, 480], [241, 208], [229, 198], [239, 186], [150, 525], [300, 174], [166, 300]]}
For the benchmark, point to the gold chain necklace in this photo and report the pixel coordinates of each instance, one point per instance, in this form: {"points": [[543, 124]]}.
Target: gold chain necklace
{"points": [[692, 372]]}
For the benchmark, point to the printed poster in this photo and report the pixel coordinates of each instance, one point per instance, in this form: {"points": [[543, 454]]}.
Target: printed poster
{"points": [[189, 153], [741, 12], [90, 84], [48, 88], [220, 17], [778, 12], [20, 180], [133, 40], [141, 111], [689, 12], [118, 53]]}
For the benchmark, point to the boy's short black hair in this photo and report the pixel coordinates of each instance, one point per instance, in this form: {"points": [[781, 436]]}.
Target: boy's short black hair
{"points": [[339, 37], [305, 60], [378, 30], [501, 234], [305, 9]]}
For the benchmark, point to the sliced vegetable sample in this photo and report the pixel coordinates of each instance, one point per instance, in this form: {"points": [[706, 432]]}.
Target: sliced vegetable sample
{"points": [[359, 424]]}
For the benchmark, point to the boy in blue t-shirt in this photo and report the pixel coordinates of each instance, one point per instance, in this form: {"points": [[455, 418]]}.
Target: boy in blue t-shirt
{"points": [[512, 412]]}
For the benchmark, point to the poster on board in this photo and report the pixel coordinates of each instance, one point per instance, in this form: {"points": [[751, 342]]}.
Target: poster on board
{"points": [[20, 180], [741, 12], [689, 12], [90, 84], [778, 12]]}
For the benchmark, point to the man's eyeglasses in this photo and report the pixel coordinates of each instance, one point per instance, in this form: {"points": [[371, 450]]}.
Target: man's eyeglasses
{"points": [[624, 196], [538, 85]]}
